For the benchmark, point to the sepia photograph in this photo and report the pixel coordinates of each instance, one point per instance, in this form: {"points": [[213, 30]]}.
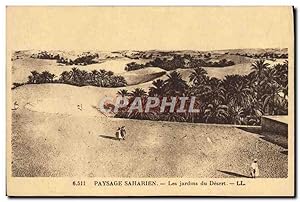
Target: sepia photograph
{"points": [[152, 97], [150, 113]]}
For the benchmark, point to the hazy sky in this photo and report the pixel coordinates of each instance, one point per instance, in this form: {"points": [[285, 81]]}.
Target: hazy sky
{"points": [[138, 28]]}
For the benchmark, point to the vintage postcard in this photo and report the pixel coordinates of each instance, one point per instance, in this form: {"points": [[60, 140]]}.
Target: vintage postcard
{"points": [[150, 101]]}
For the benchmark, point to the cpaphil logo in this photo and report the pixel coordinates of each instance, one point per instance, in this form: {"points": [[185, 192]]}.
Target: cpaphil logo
{"points": [[146, 104]]}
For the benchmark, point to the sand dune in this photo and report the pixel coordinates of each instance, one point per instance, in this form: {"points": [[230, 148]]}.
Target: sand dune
{"points": [[143, 75], [221, 72], [61, 98], [51, 137], [64, 99], [84, 146], [22, 68]]}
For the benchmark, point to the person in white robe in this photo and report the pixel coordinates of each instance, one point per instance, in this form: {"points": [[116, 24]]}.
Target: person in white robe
{"points": [[254, 169], [118, 134]]}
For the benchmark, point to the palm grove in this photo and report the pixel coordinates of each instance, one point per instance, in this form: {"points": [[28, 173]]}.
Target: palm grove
{"points": [[234, 100], [77, 77]]}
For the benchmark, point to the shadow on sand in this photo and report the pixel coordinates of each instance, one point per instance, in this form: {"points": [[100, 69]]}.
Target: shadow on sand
{"points": [[108, 137], [284, 152], [233, 174]]}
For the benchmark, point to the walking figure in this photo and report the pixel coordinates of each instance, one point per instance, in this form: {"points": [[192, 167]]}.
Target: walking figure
{"points": [[254, 169], [118, 134], [123, 132]]}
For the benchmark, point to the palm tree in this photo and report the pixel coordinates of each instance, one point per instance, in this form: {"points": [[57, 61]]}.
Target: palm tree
{"points": [[274, 83], [123, 93], [216, 113], [102, 72], [175, 85], [195, 116], [94, 75], [118, 81], [33, 78], [281, 106], [142, 115], [237, 90], [138, 92], [84, 78], [75, 75], [236, 113], [46, 77], [269, 98], [258, 68], [158, 88], [101, 78], [198, 76], [214, 91], [65, 77], [282, 76], [270, 75]]}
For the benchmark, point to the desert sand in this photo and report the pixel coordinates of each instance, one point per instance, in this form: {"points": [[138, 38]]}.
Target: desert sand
{"points": [[52, 137]]}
